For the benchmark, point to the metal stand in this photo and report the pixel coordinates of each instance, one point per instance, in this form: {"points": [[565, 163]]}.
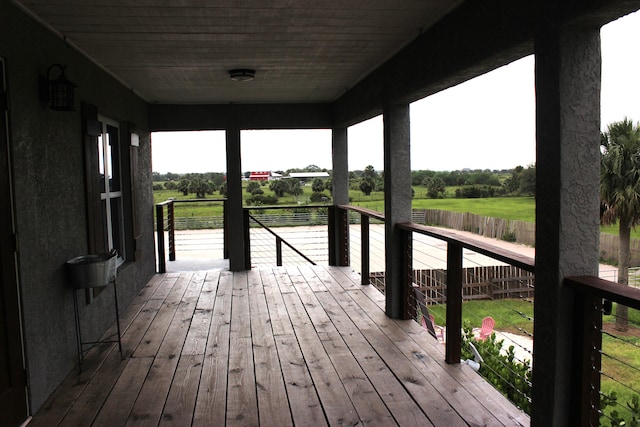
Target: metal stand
{"points": [[80, 343]]}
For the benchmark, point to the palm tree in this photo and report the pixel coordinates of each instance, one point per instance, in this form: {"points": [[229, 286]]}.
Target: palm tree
{"points": [[620, 192]]}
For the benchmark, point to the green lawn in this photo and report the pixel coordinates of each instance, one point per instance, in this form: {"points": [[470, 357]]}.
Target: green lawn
{"points": [[514, 208]]}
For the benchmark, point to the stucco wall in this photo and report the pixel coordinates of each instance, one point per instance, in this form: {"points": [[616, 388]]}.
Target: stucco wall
{"points": [[49, 192]]}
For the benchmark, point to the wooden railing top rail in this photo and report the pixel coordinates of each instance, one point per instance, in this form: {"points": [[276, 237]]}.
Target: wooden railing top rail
{"points": [[264, 208], [492, 251], [368, 212], [191, 201], [166, 202], [625, 295]]}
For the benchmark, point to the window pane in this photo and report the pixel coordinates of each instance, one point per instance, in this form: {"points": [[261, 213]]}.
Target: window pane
{"points": [[101, 161], [113, 159], [117, 229]]}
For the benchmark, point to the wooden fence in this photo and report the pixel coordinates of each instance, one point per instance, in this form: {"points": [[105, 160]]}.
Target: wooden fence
{"points": [[490, 282], [497, 228], [512, 230]]}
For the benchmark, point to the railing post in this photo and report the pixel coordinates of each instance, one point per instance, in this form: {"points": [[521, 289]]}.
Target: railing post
{"points": [[162, 268], [338, 222], [278, 251], [225, 234], [406, 266], [247, 239], [454, 303], [171, 227], [365, 260], [588, 359]]}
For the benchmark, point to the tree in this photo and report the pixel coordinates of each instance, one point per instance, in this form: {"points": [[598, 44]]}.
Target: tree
{"points": [[279, 187], [435, 187], [528, 181], [317, 186], [252, 187], [183, 186], [294, 188], [620, 193], [367, 185], [370, 172], [200, 188]]}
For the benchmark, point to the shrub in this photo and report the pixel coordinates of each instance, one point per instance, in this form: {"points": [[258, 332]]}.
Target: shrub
{"points": [[614, 417], [261, 199], [318, 197], [510, 376], [509, 236]]}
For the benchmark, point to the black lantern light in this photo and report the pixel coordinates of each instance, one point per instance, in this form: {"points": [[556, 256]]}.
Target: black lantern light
{"points": [[60, 90]]}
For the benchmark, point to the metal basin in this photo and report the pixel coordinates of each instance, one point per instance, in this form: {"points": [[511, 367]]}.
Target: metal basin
{"points": [[92, 271]]}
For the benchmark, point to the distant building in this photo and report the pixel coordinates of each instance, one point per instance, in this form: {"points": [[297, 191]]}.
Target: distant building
{"points": [[264, 176], [308, 175]]}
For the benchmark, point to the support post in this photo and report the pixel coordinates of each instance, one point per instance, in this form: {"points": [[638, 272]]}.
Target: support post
{"points": [[397, 203], [454, 303], [567, 78], [278, 251], [162, 266], [339, 218], [365, 250], [235, 218], [588, 359], [171, 228], [338, 236], [246, 238]]}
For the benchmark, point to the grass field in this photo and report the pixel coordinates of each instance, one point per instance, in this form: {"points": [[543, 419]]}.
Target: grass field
{"points": [[513, 208]]}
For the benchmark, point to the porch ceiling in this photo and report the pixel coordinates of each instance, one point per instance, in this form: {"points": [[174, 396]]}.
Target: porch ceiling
{"points": [[180, 51]]}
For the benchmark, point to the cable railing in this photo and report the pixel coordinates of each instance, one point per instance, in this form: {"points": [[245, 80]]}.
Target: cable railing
{"points": [[608, 364], [170, 219], [302, 244]]}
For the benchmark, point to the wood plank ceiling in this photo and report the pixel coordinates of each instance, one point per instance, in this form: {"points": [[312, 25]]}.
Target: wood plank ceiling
{"points": [[180, 51]]}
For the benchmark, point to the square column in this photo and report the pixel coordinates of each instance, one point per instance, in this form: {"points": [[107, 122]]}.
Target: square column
{"points": [[397, 202], [235, 222], [340, 166], [567, 203], [339, 218]]}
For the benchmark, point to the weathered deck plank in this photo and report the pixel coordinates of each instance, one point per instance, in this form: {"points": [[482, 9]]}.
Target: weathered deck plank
{"points": [[304, 346]]}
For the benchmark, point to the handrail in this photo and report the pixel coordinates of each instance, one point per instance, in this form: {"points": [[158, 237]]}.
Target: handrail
{"points": [[625, 295], [223, 199], [589, 293], [281, 207], [279, 241], [364, 211], [509, 257]]}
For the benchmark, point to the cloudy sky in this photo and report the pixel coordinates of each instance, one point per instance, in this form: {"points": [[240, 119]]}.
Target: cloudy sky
{"points": [[485, 123]]}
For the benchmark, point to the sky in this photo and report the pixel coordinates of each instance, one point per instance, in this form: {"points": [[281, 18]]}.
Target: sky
{"points": [[484, 123]]}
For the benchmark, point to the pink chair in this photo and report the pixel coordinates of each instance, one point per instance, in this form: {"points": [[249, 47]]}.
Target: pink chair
{"points": [[487, 328], [439, 330]]}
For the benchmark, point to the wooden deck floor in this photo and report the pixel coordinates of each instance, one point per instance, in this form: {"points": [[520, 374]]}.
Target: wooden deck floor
{"points": [[273, 347]]}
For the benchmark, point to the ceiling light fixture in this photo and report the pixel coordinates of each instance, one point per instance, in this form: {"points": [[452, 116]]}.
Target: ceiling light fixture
{"points": [[242, 74]]}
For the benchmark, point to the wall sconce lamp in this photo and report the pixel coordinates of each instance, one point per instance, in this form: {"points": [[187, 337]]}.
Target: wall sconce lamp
{"points": [[58, 91]]}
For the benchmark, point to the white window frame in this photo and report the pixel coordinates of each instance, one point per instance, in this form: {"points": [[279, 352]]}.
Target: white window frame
{"points": [[106, 194]]}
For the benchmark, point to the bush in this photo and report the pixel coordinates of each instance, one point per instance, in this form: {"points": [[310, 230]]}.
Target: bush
{"points": [[510, 376], [261, 199], [614, 417], [475, 191], [509, 236], [318, 197]]}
